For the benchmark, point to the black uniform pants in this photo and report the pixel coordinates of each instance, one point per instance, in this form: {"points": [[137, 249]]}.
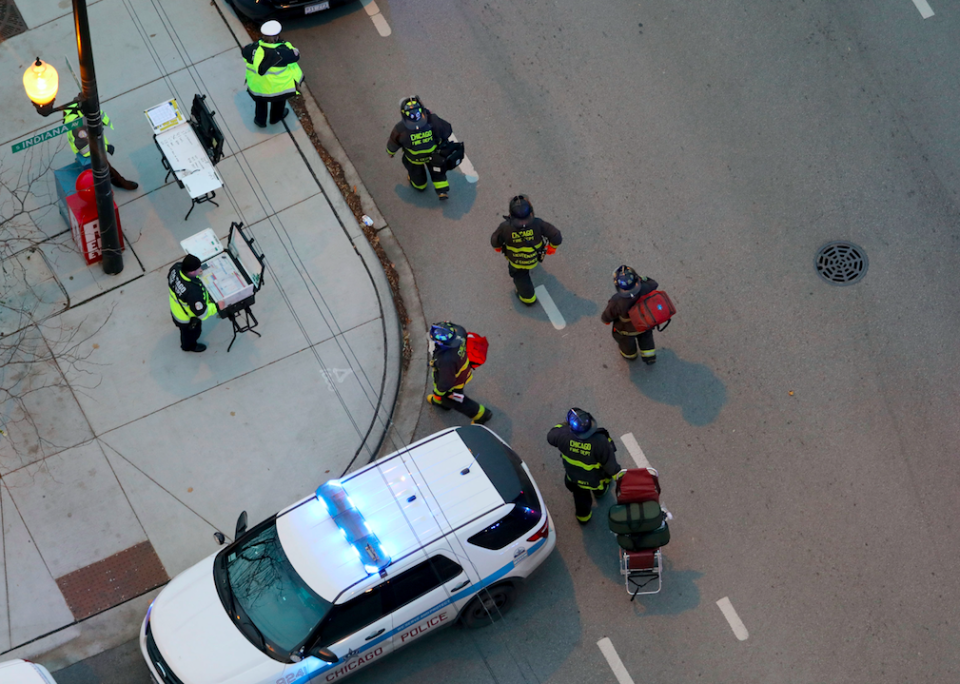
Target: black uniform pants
{"points": [[521, 279], [635, 344], [418, 176], [276, 104], [583, 498], [189, 333], [468, 407]]}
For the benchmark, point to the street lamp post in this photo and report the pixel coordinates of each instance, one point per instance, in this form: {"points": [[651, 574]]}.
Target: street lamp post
{"points": [[38, 81]]}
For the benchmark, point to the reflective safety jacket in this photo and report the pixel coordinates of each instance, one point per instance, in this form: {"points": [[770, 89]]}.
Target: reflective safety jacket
{"points": [[620, 304], [188, 297], [78, 136], [451, 367], [589, 462], [272, 69], [525, 241], [419, 142]]}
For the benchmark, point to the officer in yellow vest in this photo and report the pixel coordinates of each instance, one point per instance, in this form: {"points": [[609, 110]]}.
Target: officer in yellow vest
{"points": [[273, 75], [81, 146], [190, 302]]}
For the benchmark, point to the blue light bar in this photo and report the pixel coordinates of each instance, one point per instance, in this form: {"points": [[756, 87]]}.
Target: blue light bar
{"points": [[354, 528]]}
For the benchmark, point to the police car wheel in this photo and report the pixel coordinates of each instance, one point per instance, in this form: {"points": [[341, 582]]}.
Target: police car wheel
{"points": [[489, 606]]}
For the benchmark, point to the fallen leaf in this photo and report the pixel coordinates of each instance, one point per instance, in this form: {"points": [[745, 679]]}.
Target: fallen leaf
{"points": [[96, 346], [790, 393], [233, 413], [189, 489]]}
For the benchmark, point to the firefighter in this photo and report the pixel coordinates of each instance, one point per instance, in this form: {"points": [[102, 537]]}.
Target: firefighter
{"points": [[630, 288], [273, 75], [452, 371], [589, 460], [81, 146], [419, 133], [524, 240], [190, 302]]}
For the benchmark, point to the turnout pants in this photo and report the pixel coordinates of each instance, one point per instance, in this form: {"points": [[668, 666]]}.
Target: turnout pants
{"points": [[583, 498], [189, 333], [521, 279], [418, 176], [635, 344], [276, 104], [468, 407]]}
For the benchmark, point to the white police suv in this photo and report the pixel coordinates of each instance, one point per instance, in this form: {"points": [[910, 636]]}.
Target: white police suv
{"points": [[441, 531]]}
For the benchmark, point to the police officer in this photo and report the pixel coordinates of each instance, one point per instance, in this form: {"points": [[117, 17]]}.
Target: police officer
{"points": [[589, 459], [630, 287], [81, 146], [524, 240], [273, 75], [420, 132], [190, 302], [452, 371]]}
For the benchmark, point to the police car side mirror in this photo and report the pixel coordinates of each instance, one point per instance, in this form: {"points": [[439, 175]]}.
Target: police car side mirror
{"points": [[325, 654], [241, 525]]}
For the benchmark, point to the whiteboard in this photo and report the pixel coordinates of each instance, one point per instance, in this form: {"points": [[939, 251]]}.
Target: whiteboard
{"points": [[189, 160]]}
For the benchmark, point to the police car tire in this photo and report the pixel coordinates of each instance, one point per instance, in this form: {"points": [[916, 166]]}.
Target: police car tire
{"points": [[489, 606]]}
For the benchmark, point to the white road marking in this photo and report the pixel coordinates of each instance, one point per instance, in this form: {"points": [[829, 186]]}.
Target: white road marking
{"points": [[466, 166], [736, 624], [553, 313], [636, 452], [613, 660], [924, 8], [380, 21]]}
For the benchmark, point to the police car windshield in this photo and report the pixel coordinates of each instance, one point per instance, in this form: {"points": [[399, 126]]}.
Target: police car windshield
{"points": [[264, 595]]}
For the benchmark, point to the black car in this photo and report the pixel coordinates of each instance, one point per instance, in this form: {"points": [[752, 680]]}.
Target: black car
{"points": [[261, 10]]}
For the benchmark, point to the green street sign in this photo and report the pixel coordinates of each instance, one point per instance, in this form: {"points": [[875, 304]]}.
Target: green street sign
{"points": [[47, 135]]}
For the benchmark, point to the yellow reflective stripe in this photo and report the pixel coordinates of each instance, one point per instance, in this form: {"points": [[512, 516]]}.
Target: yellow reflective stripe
{"points": [[579, 464], [648, 352], [183, 315]]}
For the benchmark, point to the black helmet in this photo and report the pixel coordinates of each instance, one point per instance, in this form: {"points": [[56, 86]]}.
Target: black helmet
{"points": [[580, 422], [626, 280], [444, 334], [412, 109], [520, 207]]}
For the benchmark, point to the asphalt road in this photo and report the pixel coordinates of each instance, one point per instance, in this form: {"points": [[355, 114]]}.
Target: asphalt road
{"points": [[806, 433]]}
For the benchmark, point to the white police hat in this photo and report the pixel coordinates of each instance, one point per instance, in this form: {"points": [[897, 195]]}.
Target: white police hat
{"points": [[271, 28]]}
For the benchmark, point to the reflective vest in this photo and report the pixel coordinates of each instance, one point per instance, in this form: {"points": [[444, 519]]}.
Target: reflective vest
{"points": [[188, 297], [277, 80], [78, 136]]}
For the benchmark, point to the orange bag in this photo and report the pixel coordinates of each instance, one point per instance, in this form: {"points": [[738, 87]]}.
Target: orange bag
{"points": [[477, 346]]}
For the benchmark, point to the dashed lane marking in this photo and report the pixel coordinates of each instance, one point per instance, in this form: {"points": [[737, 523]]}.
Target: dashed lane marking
{"points": [[466, 167], [380, 21], [553, 313], [736, 624], [636, 452], [924, 8], [613, 660]]}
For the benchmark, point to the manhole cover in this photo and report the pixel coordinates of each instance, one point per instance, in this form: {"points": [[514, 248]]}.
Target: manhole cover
{"points": [[841, 263]]}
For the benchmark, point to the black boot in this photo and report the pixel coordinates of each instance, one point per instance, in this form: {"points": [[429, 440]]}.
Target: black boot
{"points": [[118, 181]]}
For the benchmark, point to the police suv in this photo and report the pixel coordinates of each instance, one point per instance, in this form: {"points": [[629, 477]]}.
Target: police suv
{"points": [[441, 531]]}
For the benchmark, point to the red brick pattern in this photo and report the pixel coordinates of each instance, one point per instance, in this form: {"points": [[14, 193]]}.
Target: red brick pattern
{"points": [[113, 580]]}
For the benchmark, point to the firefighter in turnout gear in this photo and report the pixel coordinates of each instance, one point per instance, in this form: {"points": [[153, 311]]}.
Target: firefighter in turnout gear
{"points": [[452, 371], [273, 75], [81, 146], [589, 460], [420, 133], [524, 240], [630, 287], [190, 302]]}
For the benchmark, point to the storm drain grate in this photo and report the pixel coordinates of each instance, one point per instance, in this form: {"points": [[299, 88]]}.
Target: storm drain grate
{"points": [[841, 263], [11, 23]]}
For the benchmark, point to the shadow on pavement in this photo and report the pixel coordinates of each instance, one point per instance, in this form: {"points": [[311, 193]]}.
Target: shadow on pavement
{"points": [[572, 306], [462, 196], [692, 386]]}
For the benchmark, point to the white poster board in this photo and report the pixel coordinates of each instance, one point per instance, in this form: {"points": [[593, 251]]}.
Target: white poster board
{"points": [[188, 160]]}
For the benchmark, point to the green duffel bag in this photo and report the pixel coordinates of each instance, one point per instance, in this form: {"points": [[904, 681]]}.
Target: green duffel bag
{"points": [[650, 540], [634, 518]]}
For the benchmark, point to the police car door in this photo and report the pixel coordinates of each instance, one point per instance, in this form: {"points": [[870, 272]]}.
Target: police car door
{"points": [[356, 630], [428, 594]]}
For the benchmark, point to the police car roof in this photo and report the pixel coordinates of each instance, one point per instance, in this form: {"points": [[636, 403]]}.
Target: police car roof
{"points": [[408, 500]]}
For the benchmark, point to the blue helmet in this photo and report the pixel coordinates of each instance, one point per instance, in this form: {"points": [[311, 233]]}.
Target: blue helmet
{"points": [[626, 281], [412, 109], [444, 335], [520, 207], [580, 422]]}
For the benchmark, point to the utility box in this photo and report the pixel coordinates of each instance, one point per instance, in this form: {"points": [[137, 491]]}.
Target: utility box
{"points": [[84, 221]]}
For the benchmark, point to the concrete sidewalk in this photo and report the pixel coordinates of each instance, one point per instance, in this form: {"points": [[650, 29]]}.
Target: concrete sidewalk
{"points": [[123, 457]]}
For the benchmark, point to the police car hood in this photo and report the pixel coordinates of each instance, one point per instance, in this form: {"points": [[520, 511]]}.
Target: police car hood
{"points": [[196, 637]]}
